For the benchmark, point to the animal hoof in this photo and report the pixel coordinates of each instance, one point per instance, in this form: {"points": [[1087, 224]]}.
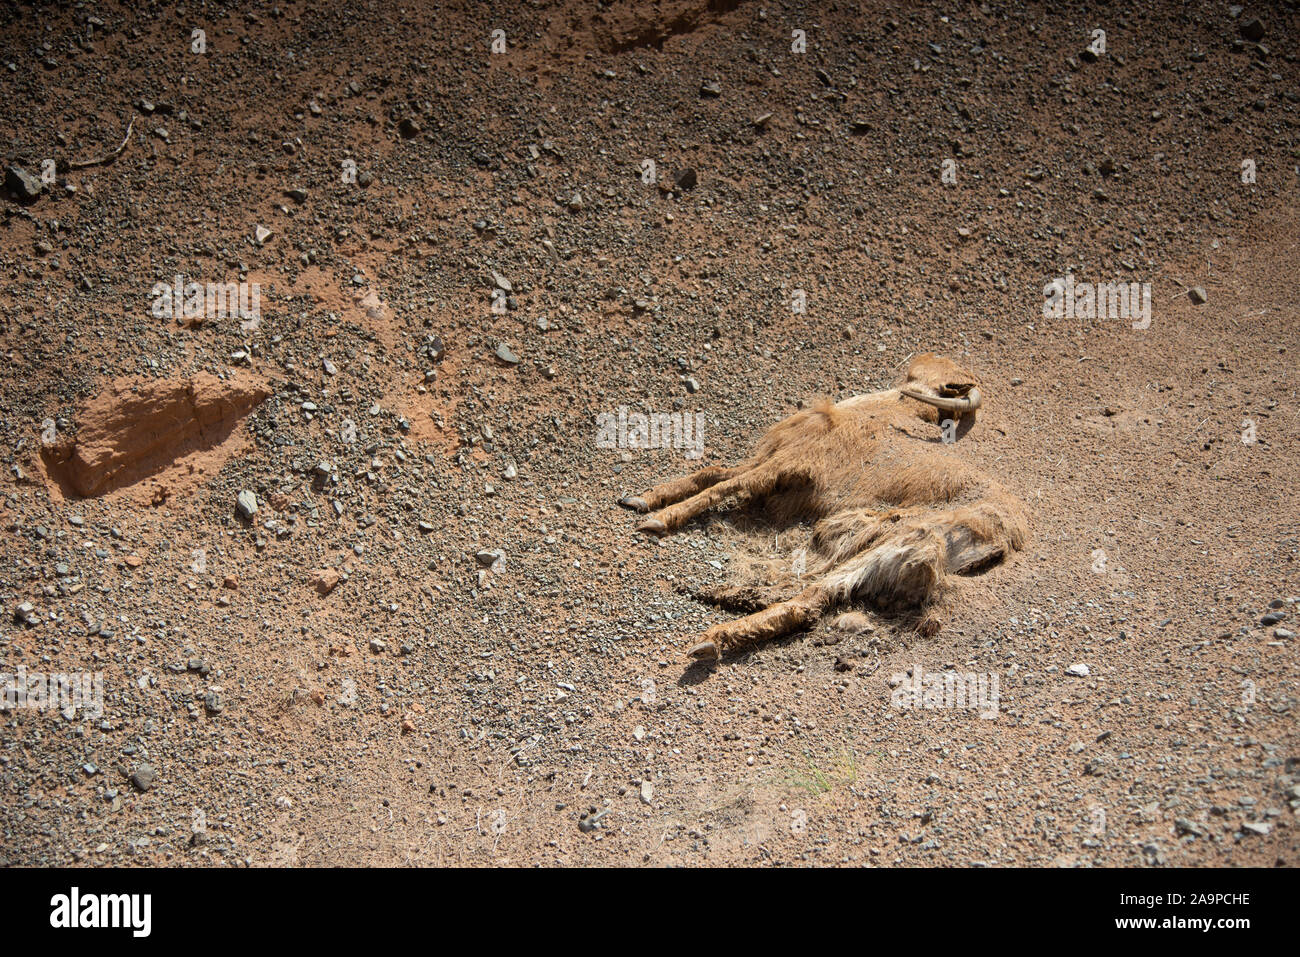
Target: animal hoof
{"points": [[705, 650], [634, 502], [653, 526]]}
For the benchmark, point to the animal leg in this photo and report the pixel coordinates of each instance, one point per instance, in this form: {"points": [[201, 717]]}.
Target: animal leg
{"points": [[756, 481], [775, 620], [907, 559], [742, 597], [667, 493], [983, 535], [901, 569]]}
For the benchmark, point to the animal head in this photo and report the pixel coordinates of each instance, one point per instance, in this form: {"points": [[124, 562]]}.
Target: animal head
{"points": [[941, 383]]}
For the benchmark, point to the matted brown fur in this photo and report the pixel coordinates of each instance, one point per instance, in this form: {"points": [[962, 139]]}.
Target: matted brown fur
{"points": [[896, 510]]}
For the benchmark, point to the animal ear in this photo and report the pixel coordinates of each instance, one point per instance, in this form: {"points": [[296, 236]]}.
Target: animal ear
{"points": [[942, 383], [926, 368]]}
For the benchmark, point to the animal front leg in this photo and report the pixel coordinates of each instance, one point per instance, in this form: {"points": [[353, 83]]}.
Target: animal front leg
{"points": [[772, 622], [667, 493], [756, 482]]}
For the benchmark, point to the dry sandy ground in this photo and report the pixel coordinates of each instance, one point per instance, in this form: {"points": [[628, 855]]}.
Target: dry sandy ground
{"points": [[342, 678]]}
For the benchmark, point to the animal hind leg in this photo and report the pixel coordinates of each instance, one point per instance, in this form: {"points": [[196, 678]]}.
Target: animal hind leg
{"points": [[906, 562], [667, 493], [982, 535], [899, 568], [775, 620], [742, 597], [912, 565]]}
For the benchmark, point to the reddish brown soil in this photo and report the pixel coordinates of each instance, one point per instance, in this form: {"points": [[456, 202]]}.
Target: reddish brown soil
{"points": [[437, 707], [143, 433]]}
